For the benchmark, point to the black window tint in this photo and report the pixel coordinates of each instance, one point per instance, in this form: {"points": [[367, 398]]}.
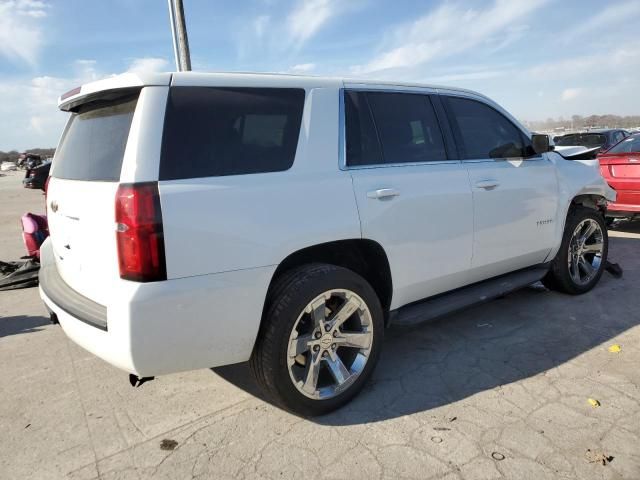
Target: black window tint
{"points": [[229, 131], [94, 141], [407, 126], [362, 143], [630, 144], [482, 132], [589, 140]]}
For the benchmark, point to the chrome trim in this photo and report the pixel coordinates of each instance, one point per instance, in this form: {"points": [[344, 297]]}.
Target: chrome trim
{"points": [[363, 87], [509, 159], [342, 144], [411, 164]]}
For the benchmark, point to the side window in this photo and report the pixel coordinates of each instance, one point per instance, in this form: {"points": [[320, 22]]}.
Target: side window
{"points": [[407, 126], [212, 132], [363, 147], [482, 132], [387, 127]]}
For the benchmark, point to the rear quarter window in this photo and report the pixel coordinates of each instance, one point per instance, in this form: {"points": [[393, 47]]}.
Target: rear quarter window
{"points": [[93, 144], [211, 132]]}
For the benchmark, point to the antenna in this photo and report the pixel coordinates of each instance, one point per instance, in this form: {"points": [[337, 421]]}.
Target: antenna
{"points": [[179, 33]]}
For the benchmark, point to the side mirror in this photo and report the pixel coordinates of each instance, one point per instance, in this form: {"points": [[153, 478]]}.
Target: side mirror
{"points": [[540, 143]]}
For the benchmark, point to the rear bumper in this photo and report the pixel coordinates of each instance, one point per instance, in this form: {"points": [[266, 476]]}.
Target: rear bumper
{"points": [[623, 208], [163, 327], [58, 292]]}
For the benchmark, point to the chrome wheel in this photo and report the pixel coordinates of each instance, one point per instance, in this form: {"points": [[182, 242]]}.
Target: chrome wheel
{"points": [[330, 344], [585, 251]]}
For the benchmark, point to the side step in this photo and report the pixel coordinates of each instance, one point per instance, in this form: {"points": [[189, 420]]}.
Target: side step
{"points": [[440, 305]]}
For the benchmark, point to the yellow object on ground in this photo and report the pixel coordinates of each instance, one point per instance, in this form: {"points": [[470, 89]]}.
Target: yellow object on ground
{"points": [[615, 348], [593, 402]]}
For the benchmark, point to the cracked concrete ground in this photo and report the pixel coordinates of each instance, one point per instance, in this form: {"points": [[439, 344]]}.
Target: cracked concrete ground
{"points": [[498, 391]]}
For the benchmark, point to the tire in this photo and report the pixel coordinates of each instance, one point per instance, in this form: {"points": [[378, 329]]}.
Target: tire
{"points": [[285, 367], [562, 275]]}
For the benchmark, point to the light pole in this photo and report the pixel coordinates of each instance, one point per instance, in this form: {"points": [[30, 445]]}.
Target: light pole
{"points": [[179, 33]]}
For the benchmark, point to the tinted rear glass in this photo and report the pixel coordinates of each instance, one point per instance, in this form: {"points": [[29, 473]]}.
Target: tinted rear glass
{"points": [[363, 147], [628, 145], [92, 147], [407, 126], [582, 140], [212, 132]]}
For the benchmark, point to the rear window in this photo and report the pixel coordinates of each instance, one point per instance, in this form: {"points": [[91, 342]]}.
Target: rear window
{"points": [[628, 145], [589, 140], [93, 144], [212, 132]]}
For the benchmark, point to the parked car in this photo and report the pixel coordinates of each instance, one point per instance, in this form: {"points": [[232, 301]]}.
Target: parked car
{"points": [[8, 166], [603, 138], [37, 177], [288, 220], [620, 166]]}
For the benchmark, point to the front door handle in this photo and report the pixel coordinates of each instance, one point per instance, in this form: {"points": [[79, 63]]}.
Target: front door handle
{"points": [[488, 184], [383, 193]]}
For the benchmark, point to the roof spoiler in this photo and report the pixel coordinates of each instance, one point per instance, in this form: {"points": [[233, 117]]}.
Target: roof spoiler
{"points": [[127, 81], [577, 153]]}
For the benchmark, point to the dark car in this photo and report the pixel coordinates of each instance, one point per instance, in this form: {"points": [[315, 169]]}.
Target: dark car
{"points": [[603, 138], [36, 177]]}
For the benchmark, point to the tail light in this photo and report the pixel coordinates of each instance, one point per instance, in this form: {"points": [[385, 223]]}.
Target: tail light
{"points": [[139, 233]]}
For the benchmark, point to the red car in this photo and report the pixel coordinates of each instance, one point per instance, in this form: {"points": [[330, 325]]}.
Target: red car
{"points": [[620, 166]]}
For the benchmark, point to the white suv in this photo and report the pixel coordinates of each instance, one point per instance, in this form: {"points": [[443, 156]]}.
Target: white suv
{"points": [[199, 220]]}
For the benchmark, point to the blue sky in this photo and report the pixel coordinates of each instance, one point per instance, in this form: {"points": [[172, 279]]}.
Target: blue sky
{"points": [[538, 58]]}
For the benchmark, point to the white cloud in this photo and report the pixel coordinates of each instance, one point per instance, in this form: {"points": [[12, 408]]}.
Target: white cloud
{"points": [[465, 76], [21, 29], [571, 94], [451, 29], [309, 16], [610, 16], [302, 68], [29, 115], [620, 60], [148, 64]]}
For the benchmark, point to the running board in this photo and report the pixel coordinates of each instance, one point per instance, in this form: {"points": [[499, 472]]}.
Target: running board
{"points": [[440, 305]]}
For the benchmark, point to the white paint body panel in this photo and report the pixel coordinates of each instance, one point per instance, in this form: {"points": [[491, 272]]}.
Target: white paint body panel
{"points": [[175, 325], [246, 221], [426, 230], [514, 222], [225, 236]]}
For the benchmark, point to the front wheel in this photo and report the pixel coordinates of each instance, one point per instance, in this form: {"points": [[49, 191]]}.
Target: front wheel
{"points": [[320, 338], [582, 257]]}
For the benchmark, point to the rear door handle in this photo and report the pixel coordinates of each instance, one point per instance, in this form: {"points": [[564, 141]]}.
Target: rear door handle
{"points": [[488, 184], [383, 193]]}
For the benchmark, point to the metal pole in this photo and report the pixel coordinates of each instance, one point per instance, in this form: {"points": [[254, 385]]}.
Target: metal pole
{"points": [[179, 33]]}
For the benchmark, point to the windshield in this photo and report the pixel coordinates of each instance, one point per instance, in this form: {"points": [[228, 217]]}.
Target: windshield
{"points": [[589, 140], [628, 145]]}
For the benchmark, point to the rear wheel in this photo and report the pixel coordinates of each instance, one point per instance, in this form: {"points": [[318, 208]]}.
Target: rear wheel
{"points": [[320, 339], [581, 259]]}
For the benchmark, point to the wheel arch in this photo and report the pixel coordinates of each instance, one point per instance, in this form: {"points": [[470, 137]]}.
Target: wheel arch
{"points": [[595, 201], [365, 257]]}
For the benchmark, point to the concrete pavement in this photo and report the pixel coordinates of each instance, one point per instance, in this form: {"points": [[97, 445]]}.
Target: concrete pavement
{"points": [[498, 391]]}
